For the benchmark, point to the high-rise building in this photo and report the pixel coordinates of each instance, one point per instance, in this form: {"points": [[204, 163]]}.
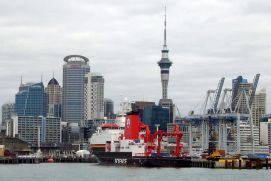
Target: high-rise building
{"points": [[258, 107], [54, 92], [7, 111], [108, 108], [31, 100], [94, 96], [74, 71], [240, 94]]}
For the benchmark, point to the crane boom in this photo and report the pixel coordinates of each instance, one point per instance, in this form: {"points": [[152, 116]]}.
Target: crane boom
{"points": [[218, 93], [254, 87]]}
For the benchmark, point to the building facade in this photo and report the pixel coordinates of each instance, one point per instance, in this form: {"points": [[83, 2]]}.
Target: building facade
{"points": [[94, 96], [265, 132], [74, 71], [54, 92], [7, 111], [35, 129], [259, 107], [156, 116], [31, 100]]}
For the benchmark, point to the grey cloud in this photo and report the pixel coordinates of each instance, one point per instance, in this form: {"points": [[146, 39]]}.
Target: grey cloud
{"points": [[207, 40]]}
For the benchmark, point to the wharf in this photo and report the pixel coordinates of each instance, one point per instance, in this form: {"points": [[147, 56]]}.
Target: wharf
{"points": [[243, 163], [15, 160]]}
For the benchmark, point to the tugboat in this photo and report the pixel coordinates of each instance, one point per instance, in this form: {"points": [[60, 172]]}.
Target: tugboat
{"points": [[137, 147]]}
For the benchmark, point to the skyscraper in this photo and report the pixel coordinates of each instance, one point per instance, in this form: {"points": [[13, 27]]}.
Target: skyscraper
{"points": [[74, 70], [258, 107], [54, 92], [94, 96], [31, 100], [164, 65]]}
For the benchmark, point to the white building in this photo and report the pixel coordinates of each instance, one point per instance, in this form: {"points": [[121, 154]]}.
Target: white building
{"points": [[7, 111], [94, 96], [28, 129], [265, 133]]}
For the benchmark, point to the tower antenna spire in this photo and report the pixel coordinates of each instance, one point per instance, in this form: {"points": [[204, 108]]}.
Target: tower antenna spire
{"points": [[165, 28]]}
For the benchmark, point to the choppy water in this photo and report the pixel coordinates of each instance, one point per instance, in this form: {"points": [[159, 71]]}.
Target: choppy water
{"points": [[94, 172]]}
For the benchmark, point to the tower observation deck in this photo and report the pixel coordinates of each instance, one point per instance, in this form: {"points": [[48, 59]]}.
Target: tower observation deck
{"points": [[165, 63]]}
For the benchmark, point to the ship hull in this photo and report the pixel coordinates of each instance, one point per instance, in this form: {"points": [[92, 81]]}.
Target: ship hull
{"points": [[126, 159]]}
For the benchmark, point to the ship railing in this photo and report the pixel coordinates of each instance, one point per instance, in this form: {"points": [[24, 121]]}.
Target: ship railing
{"points": [[139, 154]]}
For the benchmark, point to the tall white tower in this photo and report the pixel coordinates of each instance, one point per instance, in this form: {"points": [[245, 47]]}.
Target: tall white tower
{"points": [[165, 63]]}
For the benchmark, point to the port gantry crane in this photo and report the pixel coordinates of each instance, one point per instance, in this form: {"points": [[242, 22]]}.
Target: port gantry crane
{"points": [[219, 122]]}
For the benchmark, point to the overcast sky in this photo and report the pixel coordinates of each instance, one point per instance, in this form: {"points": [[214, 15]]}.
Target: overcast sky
{"points": [[207, 39]]}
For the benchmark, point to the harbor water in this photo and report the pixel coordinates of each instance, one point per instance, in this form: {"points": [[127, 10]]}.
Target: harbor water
{"points": [[94, 172]]}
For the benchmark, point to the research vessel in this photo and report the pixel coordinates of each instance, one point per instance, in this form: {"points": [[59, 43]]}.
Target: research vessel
{"points": [[137, 147]]}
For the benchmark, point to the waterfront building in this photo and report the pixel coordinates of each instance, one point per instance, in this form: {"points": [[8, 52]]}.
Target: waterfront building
{"points": [[265, 131], [33, 129], [31, 100], [74, 71], [15, 145], [258, 107], [70, 133], [8, 110], [54, 92], [108, 108], [94, 96]]}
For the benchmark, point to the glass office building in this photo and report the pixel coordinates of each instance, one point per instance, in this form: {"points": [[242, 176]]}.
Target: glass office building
{"points": [[156, 116], [74, 70], [31, 100]]}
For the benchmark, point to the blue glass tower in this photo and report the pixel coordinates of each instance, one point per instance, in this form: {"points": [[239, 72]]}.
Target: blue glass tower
{"points": [[31, 100]]}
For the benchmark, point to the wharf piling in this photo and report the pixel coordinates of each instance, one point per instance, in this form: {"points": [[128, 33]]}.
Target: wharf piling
{"points": [[202, 163]]}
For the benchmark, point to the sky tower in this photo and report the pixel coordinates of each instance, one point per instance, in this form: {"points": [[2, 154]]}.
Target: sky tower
{"points": [[165, 63]]}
